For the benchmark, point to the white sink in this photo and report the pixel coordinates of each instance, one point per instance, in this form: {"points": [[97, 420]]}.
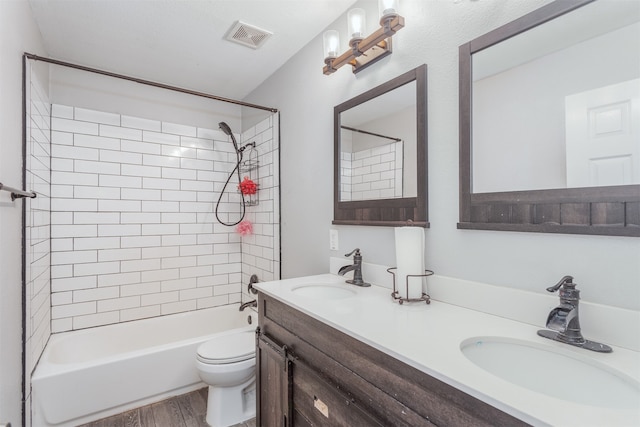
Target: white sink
{"points": [[324, 291], [562, 374]]}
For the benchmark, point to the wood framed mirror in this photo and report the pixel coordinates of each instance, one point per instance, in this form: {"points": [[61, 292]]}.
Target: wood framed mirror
{"points": [[550, 122], [380, 154]]}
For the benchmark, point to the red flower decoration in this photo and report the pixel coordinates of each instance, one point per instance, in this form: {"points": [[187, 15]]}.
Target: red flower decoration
{"points": [[245, 228], [247, 186]]}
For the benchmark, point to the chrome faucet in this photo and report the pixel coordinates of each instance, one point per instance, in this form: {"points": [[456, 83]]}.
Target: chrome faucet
{"points": [[356, 267], [564, 319]]}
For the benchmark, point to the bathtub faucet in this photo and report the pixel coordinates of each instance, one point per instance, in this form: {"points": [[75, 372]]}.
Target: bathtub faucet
{"points": [[252, 303], [564, 318], [356, 267]]}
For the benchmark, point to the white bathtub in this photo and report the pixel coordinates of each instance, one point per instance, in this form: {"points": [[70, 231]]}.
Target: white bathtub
{"points": [[93, 373]]}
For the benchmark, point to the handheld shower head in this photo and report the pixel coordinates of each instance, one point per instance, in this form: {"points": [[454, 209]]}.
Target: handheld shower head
{"points": [[225, 128]]}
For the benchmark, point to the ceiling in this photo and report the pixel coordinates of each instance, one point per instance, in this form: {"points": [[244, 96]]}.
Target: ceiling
{"points": [[182, 42]]}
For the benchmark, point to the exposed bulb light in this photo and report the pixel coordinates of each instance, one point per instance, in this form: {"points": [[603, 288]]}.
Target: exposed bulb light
{"points": [[331, 42], [356, 18], [388, 9], [364, 50]]}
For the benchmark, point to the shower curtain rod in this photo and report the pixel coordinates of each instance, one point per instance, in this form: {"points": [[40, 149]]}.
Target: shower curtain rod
{"points": [[393, 138], [146, 82]]}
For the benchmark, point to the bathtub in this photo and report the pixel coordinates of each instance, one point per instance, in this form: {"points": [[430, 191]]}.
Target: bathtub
{"points": [[93, 373]]}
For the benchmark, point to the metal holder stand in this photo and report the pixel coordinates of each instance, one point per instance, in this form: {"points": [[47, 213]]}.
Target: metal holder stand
{"points": [[396, 295], [249, 167]]}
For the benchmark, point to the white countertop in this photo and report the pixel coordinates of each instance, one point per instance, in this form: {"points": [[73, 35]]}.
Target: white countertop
{"points": [[428, 337]]}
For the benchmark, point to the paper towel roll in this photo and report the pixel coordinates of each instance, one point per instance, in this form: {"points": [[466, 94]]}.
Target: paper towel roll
{"points": [[409, 260]]}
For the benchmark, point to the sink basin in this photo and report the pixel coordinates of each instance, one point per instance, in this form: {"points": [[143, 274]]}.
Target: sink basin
{"points": [[324, 291], [562, 374]]}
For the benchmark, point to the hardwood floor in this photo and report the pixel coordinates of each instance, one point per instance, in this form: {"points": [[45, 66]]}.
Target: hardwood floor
{"points": [[187, 410]]}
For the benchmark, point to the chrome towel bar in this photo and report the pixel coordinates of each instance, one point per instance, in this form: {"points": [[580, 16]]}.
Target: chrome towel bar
{"points": [[17, 194]]}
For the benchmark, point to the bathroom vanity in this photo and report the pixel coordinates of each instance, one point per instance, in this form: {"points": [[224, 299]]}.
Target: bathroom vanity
{"points": [[312, 374], [333, 354]]}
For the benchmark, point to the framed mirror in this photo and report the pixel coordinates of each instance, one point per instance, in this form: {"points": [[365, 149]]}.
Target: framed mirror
{"points": [[550, 122], [380, 154]]}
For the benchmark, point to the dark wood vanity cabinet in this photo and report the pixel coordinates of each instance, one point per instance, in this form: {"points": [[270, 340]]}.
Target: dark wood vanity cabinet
{"points": [[310, 374]]}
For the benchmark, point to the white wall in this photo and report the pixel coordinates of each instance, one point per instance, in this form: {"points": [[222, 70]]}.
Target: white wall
{"points": [[607, 269], [18, 34], [109, 94]]}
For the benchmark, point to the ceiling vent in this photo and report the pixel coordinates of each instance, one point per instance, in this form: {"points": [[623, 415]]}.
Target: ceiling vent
{"points": [[248, 35]]}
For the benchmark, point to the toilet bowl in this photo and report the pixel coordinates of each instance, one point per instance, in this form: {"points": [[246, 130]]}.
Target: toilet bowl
{"points": [[227, 364]]}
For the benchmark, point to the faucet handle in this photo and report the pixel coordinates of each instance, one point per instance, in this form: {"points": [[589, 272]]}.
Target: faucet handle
{"points": [[356, 250], [567, 281]]}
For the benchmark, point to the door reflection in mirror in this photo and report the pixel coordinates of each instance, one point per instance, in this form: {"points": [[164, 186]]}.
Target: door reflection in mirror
{"points": [[532, 90]]}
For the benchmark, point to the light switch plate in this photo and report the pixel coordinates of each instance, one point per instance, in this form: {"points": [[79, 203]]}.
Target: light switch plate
{"points": [[334, 243]]}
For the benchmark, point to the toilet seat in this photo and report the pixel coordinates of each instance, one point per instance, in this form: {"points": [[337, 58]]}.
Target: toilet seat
{"points": [[231, 348]]}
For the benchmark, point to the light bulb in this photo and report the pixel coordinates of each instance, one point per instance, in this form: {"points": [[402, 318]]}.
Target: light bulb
{"points": [[331, 42], [388, 9], [356, 19]]}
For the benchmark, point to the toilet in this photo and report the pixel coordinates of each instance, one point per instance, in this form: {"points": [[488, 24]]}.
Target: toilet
{"points": [[227, 364]]}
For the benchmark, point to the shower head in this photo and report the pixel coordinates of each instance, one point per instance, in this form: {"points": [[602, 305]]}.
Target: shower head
{"points": [[225, 128]]}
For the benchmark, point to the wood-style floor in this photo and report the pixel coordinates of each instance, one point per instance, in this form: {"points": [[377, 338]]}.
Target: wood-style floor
{"points": [[187, 410]]}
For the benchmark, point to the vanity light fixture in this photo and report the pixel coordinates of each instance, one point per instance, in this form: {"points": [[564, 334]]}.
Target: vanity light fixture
{"points": [[363, 51]]}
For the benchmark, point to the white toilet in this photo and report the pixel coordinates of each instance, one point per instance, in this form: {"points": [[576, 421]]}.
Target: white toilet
{"points": [[228, 365]]}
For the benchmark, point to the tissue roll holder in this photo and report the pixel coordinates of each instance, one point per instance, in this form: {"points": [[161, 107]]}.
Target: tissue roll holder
{"points": [[396, 295]]}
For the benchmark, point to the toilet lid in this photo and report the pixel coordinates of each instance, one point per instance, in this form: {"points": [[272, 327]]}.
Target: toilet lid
{"points": [[228, 348]]}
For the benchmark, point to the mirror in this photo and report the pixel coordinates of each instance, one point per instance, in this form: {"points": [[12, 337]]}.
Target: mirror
{"points": [[380, 154], [376, 137], [550, 122]]}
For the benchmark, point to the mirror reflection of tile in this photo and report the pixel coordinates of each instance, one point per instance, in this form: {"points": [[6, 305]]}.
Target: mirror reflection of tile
{"points": [[374, 173]]}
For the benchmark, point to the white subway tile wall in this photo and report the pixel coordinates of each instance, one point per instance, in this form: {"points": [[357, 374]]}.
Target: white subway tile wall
{"points": [[37, 223], [346, 172], [133, 231], [261, 250], [374, 173]]}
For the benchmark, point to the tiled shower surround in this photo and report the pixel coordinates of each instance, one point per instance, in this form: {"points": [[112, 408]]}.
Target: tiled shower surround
{"points": [[134, 233], [261, 249], [37, 224]]}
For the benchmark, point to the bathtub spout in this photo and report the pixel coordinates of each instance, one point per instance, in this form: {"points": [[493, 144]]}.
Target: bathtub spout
{"points": [[252, 303]]}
